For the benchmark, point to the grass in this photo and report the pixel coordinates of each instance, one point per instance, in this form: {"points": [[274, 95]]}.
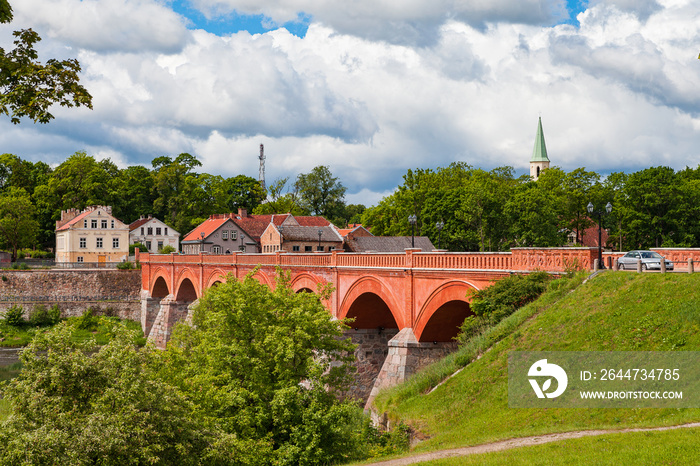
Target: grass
{"points": [[98, 328], [613, 312], [679, 446]]}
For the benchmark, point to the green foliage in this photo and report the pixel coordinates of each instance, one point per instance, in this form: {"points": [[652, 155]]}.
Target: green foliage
{"points": [[321, 193], [126, 265], [167, 250], [14, 316], [141, 246], [508, 294], [41, 316], [89, 405], [17, 225], [87, 321], [28, 87], [257, 362]]}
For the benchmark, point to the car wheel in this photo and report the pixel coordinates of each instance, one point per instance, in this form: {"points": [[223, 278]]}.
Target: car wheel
{"points": [[621, 266], [644, 266]]}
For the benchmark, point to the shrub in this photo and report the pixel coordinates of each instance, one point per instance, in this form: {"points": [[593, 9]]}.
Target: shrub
{"points": [[14, 316], [88, 321], [41, 316], [167, 250], [141, 246], [127, 265], [498, 301]]}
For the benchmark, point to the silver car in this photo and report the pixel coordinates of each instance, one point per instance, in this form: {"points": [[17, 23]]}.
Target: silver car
{"points": [[650, 260]]}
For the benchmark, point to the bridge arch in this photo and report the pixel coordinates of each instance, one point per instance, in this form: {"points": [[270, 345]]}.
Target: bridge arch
{"points": [[160, 287], [444, 311], [186, 289], [216, 277], [305, 281], [372, 304]]}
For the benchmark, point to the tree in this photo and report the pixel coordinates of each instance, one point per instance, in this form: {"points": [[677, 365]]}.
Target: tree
{"points": [[175, 181], [242, 191], [279, 203], [321, 193], [29, 88], [17, 225], [257, 362], [81, 404]]}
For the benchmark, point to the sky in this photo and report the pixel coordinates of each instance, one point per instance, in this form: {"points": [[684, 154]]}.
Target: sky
{"points": [[370, 88]]}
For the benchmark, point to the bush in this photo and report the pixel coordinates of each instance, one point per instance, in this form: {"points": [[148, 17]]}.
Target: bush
{"points": [[498, 301], [88, 321], [127, 265], [41, 316], [167, 250], [141, 246], [14, 316]]}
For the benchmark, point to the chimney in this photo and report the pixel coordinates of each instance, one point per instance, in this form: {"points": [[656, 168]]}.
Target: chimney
{"points": [[243, 213], [66, 216]]}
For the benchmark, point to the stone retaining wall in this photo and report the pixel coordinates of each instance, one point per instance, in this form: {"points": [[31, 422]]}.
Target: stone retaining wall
{"points": [[372, 349], [111, 292]]}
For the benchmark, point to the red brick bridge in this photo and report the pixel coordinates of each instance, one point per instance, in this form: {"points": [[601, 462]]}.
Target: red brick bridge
{"points": [[408, 305]]}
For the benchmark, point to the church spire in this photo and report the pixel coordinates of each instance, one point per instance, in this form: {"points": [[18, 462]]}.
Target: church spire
{"points": [[539, 160]]}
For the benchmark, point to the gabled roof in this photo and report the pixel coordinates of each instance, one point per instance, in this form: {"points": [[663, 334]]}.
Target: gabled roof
{"points": [[344, 232], [310, 233], [207, 227], [139, 222], [253, 225], [389, 243], [539, 153], [73, 221]]}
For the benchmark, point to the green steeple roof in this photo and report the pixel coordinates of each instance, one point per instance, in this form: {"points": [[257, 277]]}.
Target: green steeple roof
{"points": [[539, 153]]}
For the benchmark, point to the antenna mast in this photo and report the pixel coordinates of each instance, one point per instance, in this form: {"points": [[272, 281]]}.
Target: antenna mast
{"points": [[261, 173]]}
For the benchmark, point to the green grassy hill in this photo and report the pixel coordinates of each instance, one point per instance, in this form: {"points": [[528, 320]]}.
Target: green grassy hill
{"points": [[615, 311]]}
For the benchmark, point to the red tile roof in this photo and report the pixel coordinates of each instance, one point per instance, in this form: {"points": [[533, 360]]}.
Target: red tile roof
{"points": [[253, 225], [138, 223], [73, 221], [207, 227]]}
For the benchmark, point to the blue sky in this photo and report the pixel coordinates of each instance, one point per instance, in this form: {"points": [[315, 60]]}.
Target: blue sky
{"points": [[371, 89], [234, 22]]}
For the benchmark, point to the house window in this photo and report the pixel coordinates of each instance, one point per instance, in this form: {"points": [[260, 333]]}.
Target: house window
{"points": [[80, 259], [330, 248], [98, 243], [115, 243], [83, 243], [319, 248], [165, 231], [224, 234], [295, 248], [150, 231], [142, 231], [148, 245], [104, 224], [308, 249], [93, 223], [112, 224], [241, 248], [217, 249], [157, 230], [84, 223], [234, 234], [160, 245]]}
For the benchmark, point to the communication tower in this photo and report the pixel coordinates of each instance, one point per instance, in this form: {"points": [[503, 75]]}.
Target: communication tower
{"points": [[261, 174]]}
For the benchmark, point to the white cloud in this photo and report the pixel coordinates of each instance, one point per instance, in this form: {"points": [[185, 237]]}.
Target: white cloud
{"points": [[618, 93], [411, 22], [105, 25]]}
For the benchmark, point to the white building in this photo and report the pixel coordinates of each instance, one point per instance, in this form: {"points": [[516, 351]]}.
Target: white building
{"points": [[154, 234]]}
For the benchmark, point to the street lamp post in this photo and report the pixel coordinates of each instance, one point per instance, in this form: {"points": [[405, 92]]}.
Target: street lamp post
{"points": [[439, 225], [599, 213], [320, 232], [412, 220], [201, 247]]}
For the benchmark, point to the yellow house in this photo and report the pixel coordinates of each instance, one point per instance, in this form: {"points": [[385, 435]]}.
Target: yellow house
{"points": [[92, 236]]}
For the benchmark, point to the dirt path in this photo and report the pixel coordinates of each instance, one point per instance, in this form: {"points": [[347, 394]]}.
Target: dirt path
{"points": [[516, 443]]}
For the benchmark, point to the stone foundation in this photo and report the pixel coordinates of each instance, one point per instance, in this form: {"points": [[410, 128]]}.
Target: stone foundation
{"points": [[372, 349], [405, 357], [110, 292], [170, 312]]}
